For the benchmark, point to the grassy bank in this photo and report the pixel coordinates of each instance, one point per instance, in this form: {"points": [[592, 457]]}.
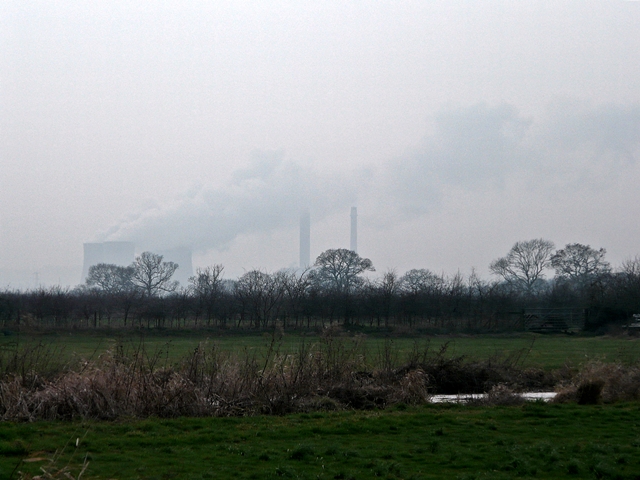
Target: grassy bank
{"points": [[356, 407], [534, 440]]}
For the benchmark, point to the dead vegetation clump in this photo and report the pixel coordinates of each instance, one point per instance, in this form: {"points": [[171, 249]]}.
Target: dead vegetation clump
{"points": [[599, 382], [332, 374], [329, 375], [498, 395], [453, 375]]}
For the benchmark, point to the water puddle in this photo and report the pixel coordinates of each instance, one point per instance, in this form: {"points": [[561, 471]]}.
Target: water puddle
{"points": [[464, 398]]}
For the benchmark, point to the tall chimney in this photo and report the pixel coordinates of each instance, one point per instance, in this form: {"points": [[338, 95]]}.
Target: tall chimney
{"points": [[305, 239], [354, 229]]}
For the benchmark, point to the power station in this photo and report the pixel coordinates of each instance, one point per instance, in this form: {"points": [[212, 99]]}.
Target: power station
{"points": [[123, 253], [305, 236], [115, 253]]}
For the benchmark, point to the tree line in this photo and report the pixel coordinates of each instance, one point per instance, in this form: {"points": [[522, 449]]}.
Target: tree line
{"points": [[338, 290]]}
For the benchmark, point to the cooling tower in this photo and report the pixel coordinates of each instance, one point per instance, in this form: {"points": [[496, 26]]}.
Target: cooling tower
{"points": [[115, 253], [354, 229], [93, 255], [305, 239], [118, 253], [181, 256]]}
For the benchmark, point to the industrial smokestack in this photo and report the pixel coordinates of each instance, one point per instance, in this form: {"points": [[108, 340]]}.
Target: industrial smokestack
{"points": [[305, 239], [354, 229]]}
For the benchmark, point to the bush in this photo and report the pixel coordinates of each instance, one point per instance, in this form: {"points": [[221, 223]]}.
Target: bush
{"points": [[329, 375], [602, 382]]}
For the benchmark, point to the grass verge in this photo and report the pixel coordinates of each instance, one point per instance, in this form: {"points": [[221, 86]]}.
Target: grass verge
{"points": [[529, 441]]}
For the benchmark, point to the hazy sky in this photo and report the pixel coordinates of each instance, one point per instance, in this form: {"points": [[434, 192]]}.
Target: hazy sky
{"points": [[456, 127]]}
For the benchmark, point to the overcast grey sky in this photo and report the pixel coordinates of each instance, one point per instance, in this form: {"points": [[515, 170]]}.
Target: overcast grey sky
{"points": [[456, 127]]}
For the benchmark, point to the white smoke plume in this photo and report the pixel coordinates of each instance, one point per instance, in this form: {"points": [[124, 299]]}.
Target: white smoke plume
{"points": [[477, 149], [480, 148], [267, 195]]}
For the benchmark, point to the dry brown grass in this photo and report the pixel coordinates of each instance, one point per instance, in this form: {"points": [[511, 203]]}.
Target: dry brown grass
{"points": [[57, 466], [331, 374], [603, 382], [498, 395]]}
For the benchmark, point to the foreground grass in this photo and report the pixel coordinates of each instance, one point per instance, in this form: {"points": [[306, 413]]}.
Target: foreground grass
{"points": [[534, 350], [534, 440]]}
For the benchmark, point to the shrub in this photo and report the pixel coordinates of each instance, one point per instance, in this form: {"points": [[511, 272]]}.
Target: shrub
{"points": [[598, 381]]}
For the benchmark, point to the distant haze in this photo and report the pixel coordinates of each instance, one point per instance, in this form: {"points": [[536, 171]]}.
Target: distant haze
{"points": [[457, 128]]}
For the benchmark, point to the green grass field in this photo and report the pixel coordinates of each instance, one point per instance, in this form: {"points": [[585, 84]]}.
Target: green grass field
{"points": [[531, 441], [546, 351], [432, 441]]}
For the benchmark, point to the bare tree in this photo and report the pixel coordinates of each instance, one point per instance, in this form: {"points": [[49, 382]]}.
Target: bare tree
{"points": [[338, 273], [421, 291], [296, 287], [387, 289], [115, 287], [153, 276], [110, 279], [631, 267], [627, 286], [580, 264], [420, 281], [207, 286], [340, 269], [261, 295], [525, 263]]}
